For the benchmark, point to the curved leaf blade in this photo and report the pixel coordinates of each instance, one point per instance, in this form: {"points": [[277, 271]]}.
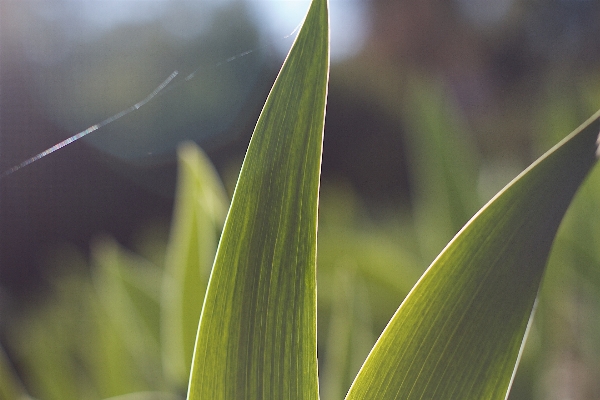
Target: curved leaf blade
{"points": [[460, 331], [257, 333]]}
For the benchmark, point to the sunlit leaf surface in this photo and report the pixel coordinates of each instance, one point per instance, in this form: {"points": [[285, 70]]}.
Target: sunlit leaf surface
{"points": [[459, 333], [257, 334]]}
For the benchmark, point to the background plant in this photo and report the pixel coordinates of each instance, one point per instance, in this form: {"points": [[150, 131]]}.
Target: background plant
{"points": [[435, 108]]}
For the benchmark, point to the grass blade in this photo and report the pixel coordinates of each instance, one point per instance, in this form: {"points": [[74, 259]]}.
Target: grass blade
{"points": [[146, 396], [198, 219], [127, 287], [460, 331], [10, 385], [257, 333]]}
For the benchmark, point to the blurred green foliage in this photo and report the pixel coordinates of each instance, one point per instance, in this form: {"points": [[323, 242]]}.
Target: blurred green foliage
{"points": [[117, 323], [103, 327]]}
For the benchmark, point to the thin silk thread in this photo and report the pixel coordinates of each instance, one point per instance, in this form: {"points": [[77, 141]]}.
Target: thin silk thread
{"points": [[158, 91]]}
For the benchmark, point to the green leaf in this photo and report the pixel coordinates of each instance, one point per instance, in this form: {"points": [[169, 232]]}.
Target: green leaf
{"points": [[146, 396], [10, 385], [46, 337], [128, 287], [198, 219], [459, 333], [103, 354], [257, 333], [443, 165], [350, 337], [69, 349]]}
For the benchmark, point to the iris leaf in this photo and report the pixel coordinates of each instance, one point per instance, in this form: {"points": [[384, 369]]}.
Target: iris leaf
{"points": [[459, 333], [257, 333]]}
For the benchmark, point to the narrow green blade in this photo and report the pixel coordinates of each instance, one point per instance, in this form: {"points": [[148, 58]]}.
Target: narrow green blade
{"points": [[257, 333], [459, 333], [198, 219], [10, 385], [127, 287], [146, 396]]}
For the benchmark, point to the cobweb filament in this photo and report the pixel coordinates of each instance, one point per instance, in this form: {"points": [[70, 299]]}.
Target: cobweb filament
{"points": [[240, 55], [158, 91], [91, 129], [155, 92]]}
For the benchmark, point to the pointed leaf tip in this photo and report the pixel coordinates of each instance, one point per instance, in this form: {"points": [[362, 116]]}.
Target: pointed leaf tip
{"points": [[257, 333]]}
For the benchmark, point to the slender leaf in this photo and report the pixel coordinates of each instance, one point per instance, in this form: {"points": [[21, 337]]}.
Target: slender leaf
{"points": [[350, 334], [69, 349], [198, 219], [257, 333], [459, 333], [44, 338], [104, 355], [443, 165], [10, 385], [146, 396], [128, 287]]}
